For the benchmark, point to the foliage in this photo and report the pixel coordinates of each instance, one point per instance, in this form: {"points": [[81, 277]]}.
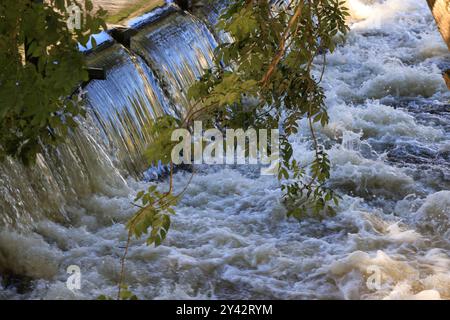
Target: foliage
{"points": [[263, 79], [40, 67], [125, 294], [154, 213], [161, 147], [270, 60]]}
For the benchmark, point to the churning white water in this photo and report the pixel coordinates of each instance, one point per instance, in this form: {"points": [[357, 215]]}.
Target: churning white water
{"points": [[389, 143]]}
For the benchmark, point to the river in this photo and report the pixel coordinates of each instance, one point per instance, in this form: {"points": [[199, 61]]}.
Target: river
{"points": [[389, 145]]}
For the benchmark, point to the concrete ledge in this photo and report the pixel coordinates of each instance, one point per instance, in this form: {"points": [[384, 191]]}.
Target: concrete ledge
{"points": [[96, 73], [120, 11], [123, 35]]}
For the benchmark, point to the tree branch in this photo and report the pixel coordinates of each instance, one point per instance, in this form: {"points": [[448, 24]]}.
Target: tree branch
{"points": [[282, 45]]}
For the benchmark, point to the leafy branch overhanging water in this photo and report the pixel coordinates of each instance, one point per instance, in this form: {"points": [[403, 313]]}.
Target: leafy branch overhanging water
{"points": [[262, 79]]}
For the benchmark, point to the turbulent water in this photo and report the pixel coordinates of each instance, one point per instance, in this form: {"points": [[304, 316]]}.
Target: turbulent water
{"points": [[389, 144]]}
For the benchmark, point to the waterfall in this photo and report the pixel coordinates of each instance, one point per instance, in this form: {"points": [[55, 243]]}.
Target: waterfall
{"points": [[59, 178], [178, 47], [387, 140], [108, 146], [125, 104]]}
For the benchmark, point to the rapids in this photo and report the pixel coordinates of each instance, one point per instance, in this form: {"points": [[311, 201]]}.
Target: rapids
{"points": [[389, 144]]}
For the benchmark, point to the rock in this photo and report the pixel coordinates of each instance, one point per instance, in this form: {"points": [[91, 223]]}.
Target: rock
{"points": [[446, 74], [441, 13]]}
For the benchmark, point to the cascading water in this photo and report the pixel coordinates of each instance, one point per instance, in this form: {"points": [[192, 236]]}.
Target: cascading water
{"points": [[388, 141], [59, 179], [210, 13], [109, 143], [178, 47], [125, 104]]}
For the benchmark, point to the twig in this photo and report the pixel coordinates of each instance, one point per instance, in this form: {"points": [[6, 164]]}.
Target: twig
{"points": [[122, 265]]}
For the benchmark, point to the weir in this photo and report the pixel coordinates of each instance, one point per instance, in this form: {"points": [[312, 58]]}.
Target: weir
{"points": [[125, 104], [168, 52], [178, 47], [388, 142]]}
